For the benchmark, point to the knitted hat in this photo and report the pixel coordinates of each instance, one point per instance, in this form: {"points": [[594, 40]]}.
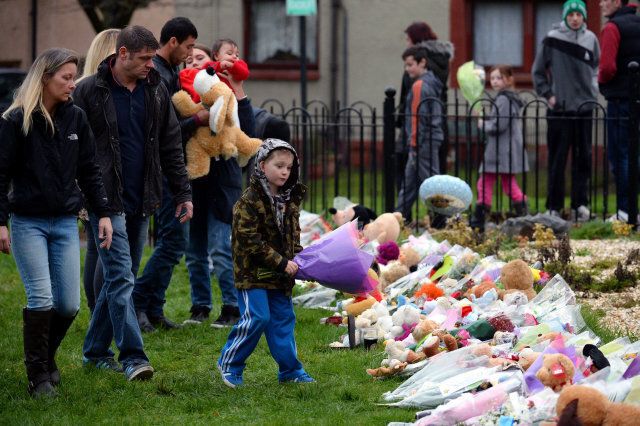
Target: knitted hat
{"points": [[573, 6]]}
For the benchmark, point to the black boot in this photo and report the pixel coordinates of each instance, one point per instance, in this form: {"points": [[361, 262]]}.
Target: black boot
{"points": [[521, 208], [57, 330], [36, 351], [479, 217]]}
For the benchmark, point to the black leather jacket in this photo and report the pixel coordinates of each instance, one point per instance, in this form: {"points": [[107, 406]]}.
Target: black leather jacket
{"points": [[163, 147], [38, 172]]}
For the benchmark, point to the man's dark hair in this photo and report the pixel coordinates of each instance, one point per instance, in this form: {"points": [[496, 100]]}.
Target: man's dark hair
{"points": [[418, 54], [136, 38], [181, 28]]}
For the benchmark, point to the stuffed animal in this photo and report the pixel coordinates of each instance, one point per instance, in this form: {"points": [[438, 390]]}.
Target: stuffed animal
{"points": [[527, 357], [404, 320], [408, 256], [398, 356], [387, 252], [223, 137], [598, 360], [429, 290], [587, 406], [424, 327], [392, 272], [438, 342], [479, 290], [385, 228], [517, 276], [556, 371], [356, 211]]}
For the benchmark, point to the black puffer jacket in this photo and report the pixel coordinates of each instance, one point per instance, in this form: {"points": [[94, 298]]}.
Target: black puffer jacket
{"points": [[163, 145], [38, 172]]}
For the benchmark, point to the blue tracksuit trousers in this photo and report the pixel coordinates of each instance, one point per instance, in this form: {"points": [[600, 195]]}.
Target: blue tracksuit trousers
{"points": [[269, 312]]}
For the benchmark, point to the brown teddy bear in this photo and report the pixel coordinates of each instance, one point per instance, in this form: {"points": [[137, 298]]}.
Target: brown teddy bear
{"points": [[584, 405], [479, 290], [517, 276], [556, 372], [385, 228], [223, 137], [431, 346]]}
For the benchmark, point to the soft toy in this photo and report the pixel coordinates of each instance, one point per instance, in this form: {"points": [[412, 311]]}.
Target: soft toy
{"points": [[479, 290], [385, 228], [517, 276], [527, 357], [424, 327], [398, 356], [587, 406], [409, 256], [429, 290], [556, 371], [404, 320], [359, 305], [223, 137], [387, 252], [437, 342], [392, 272], [356, 211], [598, 360]]}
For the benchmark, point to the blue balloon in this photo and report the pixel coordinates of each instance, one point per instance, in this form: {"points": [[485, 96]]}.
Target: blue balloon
{"points": [[447, 195]]}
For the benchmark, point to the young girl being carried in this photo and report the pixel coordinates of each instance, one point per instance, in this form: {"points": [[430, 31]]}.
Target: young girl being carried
{"points": [[504, 155]]}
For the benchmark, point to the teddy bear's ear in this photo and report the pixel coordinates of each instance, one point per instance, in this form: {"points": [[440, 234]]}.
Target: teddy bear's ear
{"points": [[211, 71], [332, 210]]}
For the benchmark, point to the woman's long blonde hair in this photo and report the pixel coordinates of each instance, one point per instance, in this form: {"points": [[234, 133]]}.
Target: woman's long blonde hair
{"points": [[103, 45], [28, 97]]}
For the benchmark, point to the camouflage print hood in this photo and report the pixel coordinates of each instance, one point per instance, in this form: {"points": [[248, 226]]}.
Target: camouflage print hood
{"points": [[268, 146]]}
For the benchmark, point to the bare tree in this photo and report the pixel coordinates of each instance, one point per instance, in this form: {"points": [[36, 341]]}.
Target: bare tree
{"points": [[105, 14]]}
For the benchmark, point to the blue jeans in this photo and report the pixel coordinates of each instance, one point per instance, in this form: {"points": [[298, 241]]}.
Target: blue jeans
{"points": [[618, 148], [151, 287], [209, 236], [47, 253], [269, 312], [114, 316]]}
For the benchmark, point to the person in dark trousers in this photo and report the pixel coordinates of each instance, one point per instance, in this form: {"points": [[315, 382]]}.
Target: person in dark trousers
{"points": [[210, 232], [439, 54], [423, 128], [46, 146], [177, 39], [564, 72], [620, 44], [138, 140], [266, 237]]}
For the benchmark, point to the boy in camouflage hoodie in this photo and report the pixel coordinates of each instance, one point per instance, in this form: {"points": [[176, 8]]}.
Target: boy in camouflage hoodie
{"points": [[265, 237]]}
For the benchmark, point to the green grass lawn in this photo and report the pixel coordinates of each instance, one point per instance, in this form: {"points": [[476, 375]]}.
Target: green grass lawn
{"points": [[186, 388]]}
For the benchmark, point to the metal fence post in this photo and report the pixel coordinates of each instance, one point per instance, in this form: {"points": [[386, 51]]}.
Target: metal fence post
{"points": [[634, 110], [389, 149]]}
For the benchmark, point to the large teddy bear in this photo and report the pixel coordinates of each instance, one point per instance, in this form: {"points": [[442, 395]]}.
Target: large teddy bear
{"points": [[223, 137]]}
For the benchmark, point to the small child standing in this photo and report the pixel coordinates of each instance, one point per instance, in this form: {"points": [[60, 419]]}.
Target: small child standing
{"points": [[504, 155], [265, 237], [423, 127]]}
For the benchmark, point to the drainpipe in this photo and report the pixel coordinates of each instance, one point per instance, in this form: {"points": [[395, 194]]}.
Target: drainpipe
{"points": [[34, 29], [345, 56], [333, 66]]}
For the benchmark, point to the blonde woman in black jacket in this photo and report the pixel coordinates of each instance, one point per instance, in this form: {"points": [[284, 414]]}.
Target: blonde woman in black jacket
{"points": [[46, 146]]}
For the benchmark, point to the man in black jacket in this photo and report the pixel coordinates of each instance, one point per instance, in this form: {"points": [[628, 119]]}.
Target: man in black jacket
{"points": [[138, 139], [177, 38]]}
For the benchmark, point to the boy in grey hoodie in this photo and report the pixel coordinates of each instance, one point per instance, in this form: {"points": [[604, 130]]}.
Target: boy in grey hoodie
{"points": [[565, 73]]}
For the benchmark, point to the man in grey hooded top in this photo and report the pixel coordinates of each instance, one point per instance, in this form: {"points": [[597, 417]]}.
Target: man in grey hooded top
{"points": [[565, 73]]}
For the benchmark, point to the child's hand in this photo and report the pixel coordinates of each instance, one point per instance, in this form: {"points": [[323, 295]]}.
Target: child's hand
{"points": [[480, 123], [292, 268], [226, 64]]}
